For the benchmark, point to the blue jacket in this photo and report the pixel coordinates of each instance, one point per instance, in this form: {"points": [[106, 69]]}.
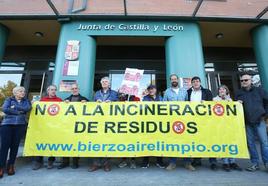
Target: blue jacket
{"points": [[112, 95], [150, 98], [15, 111]]}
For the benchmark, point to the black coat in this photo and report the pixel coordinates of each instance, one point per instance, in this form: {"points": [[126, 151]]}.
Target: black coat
{"points": [[80, 98], [255, 104], [206, 94]]}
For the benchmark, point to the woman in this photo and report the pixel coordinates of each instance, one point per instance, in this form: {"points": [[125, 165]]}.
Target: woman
{"points": [[13, 128], [224, 95]]}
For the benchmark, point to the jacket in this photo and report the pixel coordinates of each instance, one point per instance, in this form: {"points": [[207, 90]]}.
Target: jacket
{"points": [[255, 104], [150, 98], [80, 98], [15, 111], [206, 94], [112, 95]]}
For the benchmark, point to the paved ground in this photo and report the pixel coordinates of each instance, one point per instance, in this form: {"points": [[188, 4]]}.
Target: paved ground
{"points": [[125, 176]]}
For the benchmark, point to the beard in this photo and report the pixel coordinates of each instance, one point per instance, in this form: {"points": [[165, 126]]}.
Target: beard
{"points": [[174, 84]]}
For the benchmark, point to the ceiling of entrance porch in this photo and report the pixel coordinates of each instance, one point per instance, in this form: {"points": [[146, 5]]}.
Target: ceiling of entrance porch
{"points": [[23, 32], [249, 9]]}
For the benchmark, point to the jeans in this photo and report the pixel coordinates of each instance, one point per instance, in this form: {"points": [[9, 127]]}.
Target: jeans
{"points": [[259, 131], [10, 141]]}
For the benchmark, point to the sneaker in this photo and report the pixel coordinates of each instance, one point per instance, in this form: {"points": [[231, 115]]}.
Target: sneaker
{"points": [[189, 166], [171, 166], [145, 165], [234, 166], [226, 167], [122, 164], [50, 165], [133, 164], [253, 168], [160, 165], [63, 165], [37, 165], [213, 167]]}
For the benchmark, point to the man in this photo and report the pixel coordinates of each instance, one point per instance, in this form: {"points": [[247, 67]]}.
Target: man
{"points": [[152, 96], [74, 97], [104, 95], [255, 104], [51, 97], [198, 93], [174, 93]]}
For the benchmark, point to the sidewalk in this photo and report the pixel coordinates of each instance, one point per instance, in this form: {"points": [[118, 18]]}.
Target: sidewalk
{"points": [[130, 177]]}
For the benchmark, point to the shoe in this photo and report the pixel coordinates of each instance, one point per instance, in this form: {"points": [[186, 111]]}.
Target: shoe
{"points": [[37, 165], [213, 167], [171, 166], [234, 166], [226, 167], [93, 168], [50, 165], [196, 163], [1, 173], [107, 167], [11, 170], [133, 164], [253, 168], [75, 166], [160, 165], [63, 165], [145, 165], [189, 166], [122, 164]]}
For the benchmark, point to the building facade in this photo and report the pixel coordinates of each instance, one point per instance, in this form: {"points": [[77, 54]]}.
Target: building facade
{"points": [[66, 41]]}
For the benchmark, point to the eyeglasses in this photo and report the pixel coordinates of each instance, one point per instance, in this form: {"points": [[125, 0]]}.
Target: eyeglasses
{"points": [[74, 88], [244, 80]]}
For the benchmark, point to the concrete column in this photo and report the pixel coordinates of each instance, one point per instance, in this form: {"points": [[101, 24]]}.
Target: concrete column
{"points": [[184, 54], [260, 44], [87, 58]]}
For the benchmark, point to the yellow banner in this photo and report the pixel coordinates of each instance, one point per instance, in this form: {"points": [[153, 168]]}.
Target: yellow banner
{"points": [[133, 129]]}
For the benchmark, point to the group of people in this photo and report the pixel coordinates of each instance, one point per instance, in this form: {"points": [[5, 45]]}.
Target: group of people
{"points": [[254, 100]]}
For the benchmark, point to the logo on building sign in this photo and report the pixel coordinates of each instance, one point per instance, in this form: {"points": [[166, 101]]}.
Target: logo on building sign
{"points": [[72, 50], [53, 109]]}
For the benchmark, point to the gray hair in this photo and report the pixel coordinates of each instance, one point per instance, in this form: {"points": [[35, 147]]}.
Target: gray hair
{"points": [[50, 86], [105, 78], [16, 89]]}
